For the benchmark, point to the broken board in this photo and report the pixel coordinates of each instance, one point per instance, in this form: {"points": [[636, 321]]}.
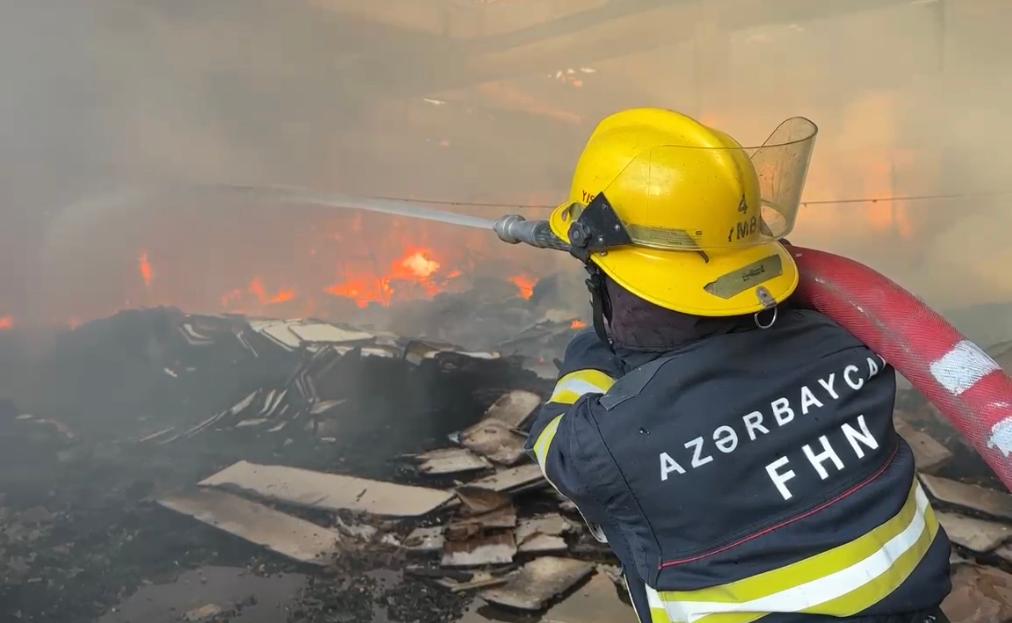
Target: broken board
{"points": [[551, 524], [542, 534], [450, 461], [597, 601], [517, 478], [542, 544], [322, 332], [480, 579], [979, 595], [320, 490], [279, 532], [494, 439], [974, 534], [513, 407], [278, 331], [477, 500], [425, 539], [504, 517], [538, 582], [988, 501], [492, 550]]}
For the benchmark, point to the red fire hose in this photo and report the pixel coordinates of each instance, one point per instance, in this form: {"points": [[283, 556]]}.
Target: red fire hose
{"points": [[959, 378]]}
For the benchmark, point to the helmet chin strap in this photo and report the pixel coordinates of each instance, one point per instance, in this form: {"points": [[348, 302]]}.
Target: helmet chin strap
{"points": [[596, 230], [600, 302]]}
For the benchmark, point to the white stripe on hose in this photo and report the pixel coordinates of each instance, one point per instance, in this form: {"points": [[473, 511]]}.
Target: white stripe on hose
{"points": [[1001, 436], [826, 588], [960, 368]]}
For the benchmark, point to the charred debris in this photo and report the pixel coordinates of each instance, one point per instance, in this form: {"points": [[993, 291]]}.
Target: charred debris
{"points": [[160, 466]]}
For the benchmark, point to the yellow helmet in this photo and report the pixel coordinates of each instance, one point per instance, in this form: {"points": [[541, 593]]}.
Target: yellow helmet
{"points": [[683, 216]]}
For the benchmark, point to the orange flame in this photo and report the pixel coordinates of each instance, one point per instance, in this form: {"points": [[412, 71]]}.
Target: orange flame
{"points": [[419, 265], [416, 266], [144, 265], [576, 325], [363, 290], [876, 171], [6, 322], [256, 288], [525, 285]]}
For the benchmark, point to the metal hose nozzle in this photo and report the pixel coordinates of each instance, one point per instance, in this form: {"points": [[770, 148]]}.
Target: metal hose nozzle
{"points": [[514, 229]]}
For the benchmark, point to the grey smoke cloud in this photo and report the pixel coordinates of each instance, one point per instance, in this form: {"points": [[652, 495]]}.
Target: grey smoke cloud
{"points": [[472, 101]]}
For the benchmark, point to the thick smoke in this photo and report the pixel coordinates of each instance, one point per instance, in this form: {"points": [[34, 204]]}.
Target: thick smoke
{"points": [[112, 112]]}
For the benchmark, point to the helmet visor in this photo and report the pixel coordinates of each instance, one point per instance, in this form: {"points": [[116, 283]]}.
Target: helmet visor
{"points": [[738, 196], [781, 164]]}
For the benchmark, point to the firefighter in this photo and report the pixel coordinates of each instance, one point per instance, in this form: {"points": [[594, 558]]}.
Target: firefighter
{"points": [[735, 451]]}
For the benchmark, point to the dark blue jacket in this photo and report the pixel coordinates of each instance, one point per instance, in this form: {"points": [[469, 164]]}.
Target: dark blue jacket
{"points": [[748, 475]]}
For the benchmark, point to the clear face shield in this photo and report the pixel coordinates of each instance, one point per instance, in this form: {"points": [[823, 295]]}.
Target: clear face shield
{"points": [[704, 199]]}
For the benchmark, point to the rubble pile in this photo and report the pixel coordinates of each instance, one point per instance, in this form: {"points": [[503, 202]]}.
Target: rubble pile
{"points": [[123, 413], [330, 473], [499, 531], [979, 525], [163, 378]]}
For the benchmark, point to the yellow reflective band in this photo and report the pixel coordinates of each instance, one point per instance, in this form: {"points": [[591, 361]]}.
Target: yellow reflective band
{"points": [[817, 566], [839, 582], [575, 384], [567, 391], [659, 615], [880, 587], [544, 442]]}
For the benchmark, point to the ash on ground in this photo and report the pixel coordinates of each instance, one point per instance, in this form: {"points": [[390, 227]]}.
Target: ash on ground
{"points": [[159, 466]]}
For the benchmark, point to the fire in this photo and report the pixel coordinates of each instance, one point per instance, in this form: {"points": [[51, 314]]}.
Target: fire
{"points": [[283, 296], [525, 285], [875, 170], [257, 289], [576, 325], [416, 266], [421, 266], [6, 322], [242, 300], [144, 265], [364, 290]]}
